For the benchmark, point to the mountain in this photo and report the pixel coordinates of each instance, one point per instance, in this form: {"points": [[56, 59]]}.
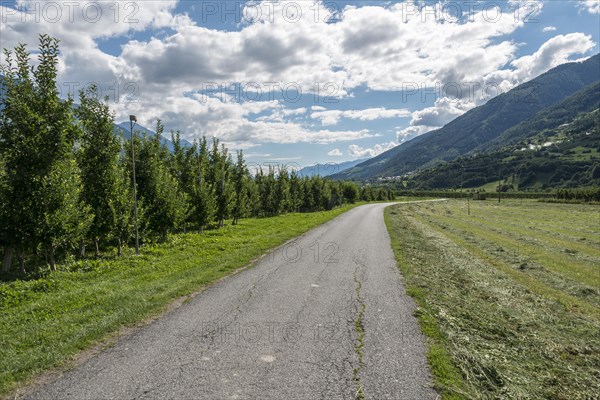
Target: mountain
{"points": [[557, 147], [123, 130], [328, 169], [480, 127], [561, 153], [584, 101]]}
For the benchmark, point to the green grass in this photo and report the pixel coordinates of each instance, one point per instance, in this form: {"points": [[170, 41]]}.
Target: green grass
{"points": [[489, 187], [583, 154], [508, 296], [45, 322]]}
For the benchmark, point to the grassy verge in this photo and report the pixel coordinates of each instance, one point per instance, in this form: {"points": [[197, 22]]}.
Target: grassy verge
{"points": [[508, 296], [45, 322]]}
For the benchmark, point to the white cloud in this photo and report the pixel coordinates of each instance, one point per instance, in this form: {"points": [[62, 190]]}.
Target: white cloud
{"points": [[361, 152], [549, 29], [406, 134], [376, 47], [283, 114], [554, 52], [198, 116], [332, 117], [386, 48], [258, 155], [81, 25], [363, 48], [379, 47], [270, 50], [444, 111], [335, 153], [592, 6], [86, 19]]}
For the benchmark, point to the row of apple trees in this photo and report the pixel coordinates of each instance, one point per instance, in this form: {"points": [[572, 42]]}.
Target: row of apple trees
{"points": [[66, 177]]}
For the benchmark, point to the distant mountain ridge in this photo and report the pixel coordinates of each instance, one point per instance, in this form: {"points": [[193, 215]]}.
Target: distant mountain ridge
{"points": [[123, 130], [478, 128]]}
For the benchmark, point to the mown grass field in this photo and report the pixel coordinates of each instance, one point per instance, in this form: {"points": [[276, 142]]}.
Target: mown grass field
{"points": [[508, 296], [45, 322]]}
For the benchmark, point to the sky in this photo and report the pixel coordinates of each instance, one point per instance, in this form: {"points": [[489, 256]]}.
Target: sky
{"points": [[301, 82]]}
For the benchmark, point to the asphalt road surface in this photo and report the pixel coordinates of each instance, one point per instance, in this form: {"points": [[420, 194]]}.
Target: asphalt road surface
{"points": [[323, 317]]}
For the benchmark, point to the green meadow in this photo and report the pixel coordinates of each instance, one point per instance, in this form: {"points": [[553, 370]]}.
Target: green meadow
{"points": [[507, 294]]}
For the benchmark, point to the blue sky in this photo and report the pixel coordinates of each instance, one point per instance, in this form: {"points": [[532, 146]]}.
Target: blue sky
{"points": [[286, 83]]}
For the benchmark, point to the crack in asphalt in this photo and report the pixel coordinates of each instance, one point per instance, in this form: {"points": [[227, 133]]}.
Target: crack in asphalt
{"points": [[360, 340]]}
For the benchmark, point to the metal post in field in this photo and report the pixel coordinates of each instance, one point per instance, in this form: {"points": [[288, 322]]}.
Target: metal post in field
{"points": [[132, 121]]}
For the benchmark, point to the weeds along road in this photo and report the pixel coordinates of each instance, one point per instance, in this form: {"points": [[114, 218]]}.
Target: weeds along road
{"points": [[323, 317]]}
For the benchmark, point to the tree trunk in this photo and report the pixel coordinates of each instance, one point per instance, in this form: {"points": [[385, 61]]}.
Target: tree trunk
{"points": [[51, 254], [7, 259], [96, 243], [119, 247], [21, 259], [81, 248], [185, 228]]}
